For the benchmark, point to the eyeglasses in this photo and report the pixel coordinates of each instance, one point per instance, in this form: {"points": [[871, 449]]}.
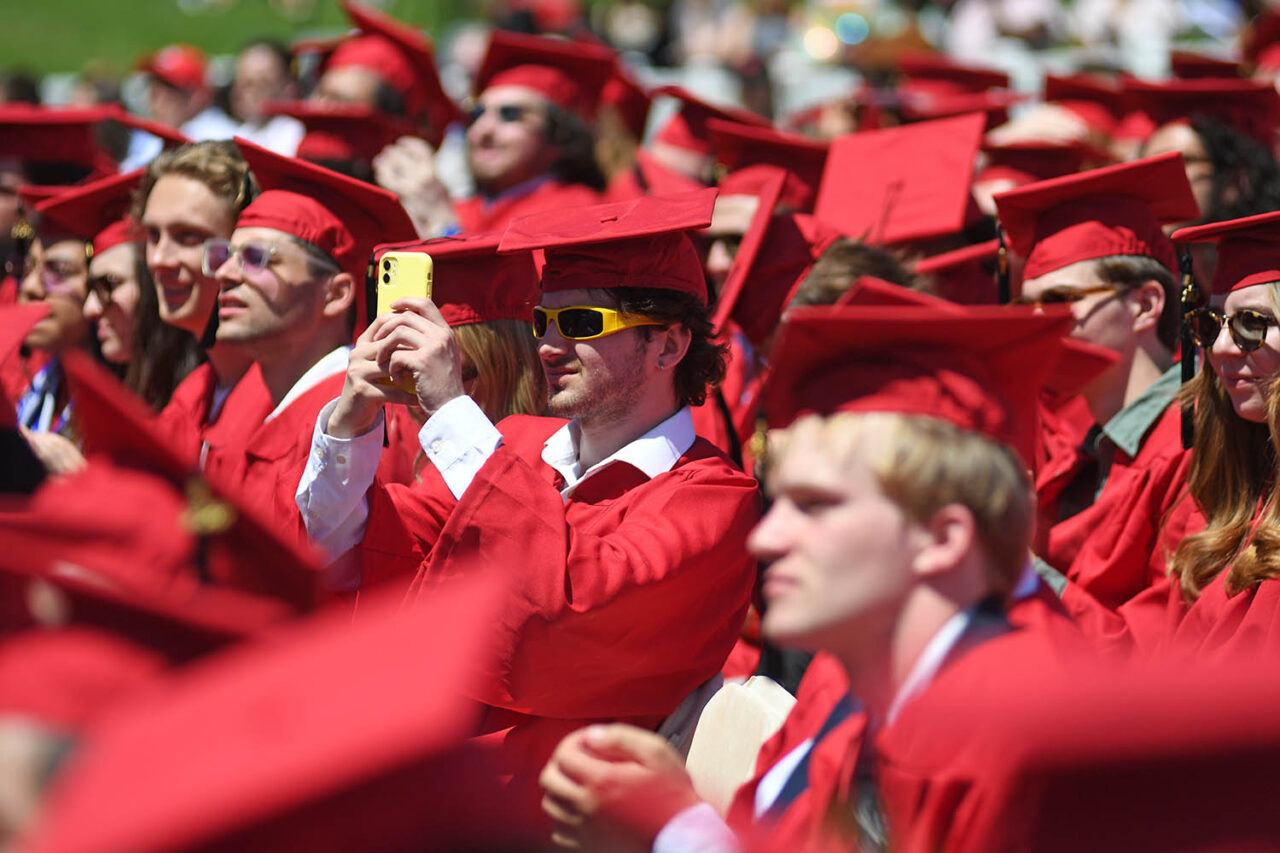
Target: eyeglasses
{"points": [[1066, 294], [254, 257], [506, 112], [59, 276], [584, 322], [1248, 328]]}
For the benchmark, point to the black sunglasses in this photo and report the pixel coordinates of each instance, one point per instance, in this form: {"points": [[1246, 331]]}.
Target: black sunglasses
{"points": [[1248, 328], [506, 112]]}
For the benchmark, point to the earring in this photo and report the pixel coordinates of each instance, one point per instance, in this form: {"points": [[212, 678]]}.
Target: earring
{"points": [[661, 366]]}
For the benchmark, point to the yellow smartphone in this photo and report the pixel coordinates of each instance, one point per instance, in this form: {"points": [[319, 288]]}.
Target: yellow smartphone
{"points": [[402, 274]]}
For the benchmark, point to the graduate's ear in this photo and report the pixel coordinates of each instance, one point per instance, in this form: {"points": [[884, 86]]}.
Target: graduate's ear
{"points": [[1148, 300], [339, 293], [945, 540], [676, 339]]}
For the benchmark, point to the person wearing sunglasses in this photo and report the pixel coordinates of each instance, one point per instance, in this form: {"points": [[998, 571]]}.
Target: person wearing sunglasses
{"points": [[291, 292], [1113, 462], [625, 530]]}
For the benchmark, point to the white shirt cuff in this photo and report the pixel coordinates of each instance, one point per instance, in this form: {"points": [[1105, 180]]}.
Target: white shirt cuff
{"points": [[458, 439], [331, 495], [697, 829]]}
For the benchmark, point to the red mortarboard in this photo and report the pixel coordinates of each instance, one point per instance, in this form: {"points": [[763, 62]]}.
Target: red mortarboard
{"points": [[1248, 249], [1027, 162], [169, 135], [660, 179], [15, 322], [771, 271], [962, 275], [1260, 42], [239, 549], [1096, 101], [975, 367], [628, 98], [333, 736], [1115, 210], [568, 74], [1188, 65], [913, 182], [922, 65], [637, 243], [926, 100], [687, 129], [472, 283], [402, 57], [1251, 106], [738, 146], [97, 211], [768, 193], [342, 216], [180, 65], [341, 131], [48, 135]]}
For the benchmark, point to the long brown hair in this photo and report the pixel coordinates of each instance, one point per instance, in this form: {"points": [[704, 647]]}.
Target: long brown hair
{"points": [[1233, 469], [509, 378]]}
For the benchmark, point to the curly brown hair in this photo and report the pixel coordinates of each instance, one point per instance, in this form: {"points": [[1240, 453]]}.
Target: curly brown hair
{"points": [[703, 365]]}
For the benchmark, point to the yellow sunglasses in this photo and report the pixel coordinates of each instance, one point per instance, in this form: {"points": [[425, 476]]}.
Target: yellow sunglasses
{"points": [[584, 322]]}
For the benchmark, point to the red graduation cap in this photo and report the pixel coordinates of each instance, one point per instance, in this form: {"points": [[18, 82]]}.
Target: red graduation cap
{"points": [[97, 211], [688, 129], [636, 243], [1248, 249], [341, 131], [768, 194], [1189, 65], [15, 322], [569, 74], [182, 66], [925, 100], [1251, 106], [1099, 103], [631, 101], [239, 549], [169, 135], [1115, 210], [332, 736], [913, 182], [402, 57], [1260, 41], [739, 146], [771, 270], [1027, 162], [964, 275], [472, 283], [343, 216], [936, 67], [55, 135], [975, 367]]}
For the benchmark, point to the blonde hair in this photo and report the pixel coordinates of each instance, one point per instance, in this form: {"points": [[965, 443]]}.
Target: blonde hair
{"points": [[1233, 470], [509, 377], [216, 164], [923, 464]]}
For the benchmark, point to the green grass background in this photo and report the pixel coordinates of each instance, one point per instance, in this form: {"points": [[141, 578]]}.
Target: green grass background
{"points": [[63, 35]]}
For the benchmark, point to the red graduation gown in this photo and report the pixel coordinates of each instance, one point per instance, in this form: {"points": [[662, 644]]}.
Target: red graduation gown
{"points": [[186, 417], [1119, 546], [476, 215], [624, 597]]}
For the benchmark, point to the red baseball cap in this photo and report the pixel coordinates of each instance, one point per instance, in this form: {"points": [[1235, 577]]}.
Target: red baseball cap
{"points": [[1115, 210], [1248, 250], [182, 66], [636, 243]]}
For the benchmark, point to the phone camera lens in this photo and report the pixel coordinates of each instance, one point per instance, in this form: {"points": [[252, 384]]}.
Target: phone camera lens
{"points": [[386, 279], [386, 263]]}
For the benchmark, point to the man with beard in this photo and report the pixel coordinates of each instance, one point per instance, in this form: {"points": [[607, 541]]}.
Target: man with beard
{"points": [[622, 531]]}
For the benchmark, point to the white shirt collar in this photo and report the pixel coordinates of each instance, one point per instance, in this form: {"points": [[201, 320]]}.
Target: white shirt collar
{"points": [[653, 453], [926, 667], [329, 364]]}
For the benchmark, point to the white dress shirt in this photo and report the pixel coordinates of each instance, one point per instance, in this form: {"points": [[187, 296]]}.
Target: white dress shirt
{"points": [[458, 439]]}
